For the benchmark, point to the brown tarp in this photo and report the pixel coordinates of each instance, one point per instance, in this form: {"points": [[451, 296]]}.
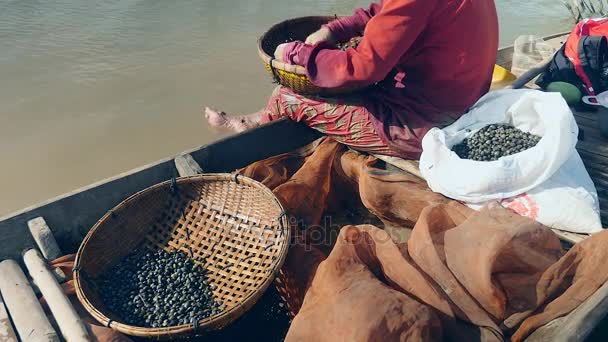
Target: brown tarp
{"points": [[463, 275]]}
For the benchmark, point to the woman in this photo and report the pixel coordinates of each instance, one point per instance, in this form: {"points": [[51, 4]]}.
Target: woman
{"points": [[429, 60]]}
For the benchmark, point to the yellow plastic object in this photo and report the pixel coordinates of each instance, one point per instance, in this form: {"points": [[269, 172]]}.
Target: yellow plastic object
{"points": [[501, 77]]}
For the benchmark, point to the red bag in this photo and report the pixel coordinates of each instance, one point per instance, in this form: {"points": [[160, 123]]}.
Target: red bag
{"points": [[576, 51], [583, 59]]}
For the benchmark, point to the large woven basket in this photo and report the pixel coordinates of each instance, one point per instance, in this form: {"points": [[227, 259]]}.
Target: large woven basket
{"points": [[232, 225], [294, 76]]}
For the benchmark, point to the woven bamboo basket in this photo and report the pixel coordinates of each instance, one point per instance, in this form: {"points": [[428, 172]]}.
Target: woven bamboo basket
{"points": [[289, 75], [230, 224]]}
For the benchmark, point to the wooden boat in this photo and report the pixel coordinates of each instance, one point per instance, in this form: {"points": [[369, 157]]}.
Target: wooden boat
{"points": [[72, 214]]}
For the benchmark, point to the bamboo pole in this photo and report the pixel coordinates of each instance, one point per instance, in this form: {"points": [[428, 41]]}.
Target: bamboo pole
{"points": [[26, 312], [44, 238], [7, 333], [65, 315]]}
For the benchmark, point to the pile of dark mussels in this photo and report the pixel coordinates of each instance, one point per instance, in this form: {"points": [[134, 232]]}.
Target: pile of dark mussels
{"points": [[158, 289], [352, 43], [495, 141]]}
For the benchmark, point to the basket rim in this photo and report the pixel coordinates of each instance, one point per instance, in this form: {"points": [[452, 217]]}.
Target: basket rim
{"points": [[296, 69], [203, 325]]}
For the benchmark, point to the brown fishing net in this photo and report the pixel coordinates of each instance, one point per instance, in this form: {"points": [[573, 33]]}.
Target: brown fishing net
{"points": [[490, 275]]}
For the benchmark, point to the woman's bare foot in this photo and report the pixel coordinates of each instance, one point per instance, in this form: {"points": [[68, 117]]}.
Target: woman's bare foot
{"points": [[239, 123]]}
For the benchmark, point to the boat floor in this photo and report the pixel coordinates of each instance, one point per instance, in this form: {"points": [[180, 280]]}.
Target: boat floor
{"points": [[593, 149]]}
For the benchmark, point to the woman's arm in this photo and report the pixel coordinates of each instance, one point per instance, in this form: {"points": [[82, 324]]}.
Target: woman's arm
{"points": [[388, 35], [345, 28]]}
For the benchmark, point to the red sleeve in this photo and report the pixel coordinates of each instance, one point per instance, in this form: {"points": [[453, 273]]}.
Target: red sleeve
{"points": [[388, 35], [345, 28]]}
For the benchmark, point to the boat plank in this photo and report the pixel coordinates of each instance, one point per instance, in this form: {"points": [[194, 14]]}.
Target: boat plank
{"points": [[584, 123], [600, 179], [410, 166], [590, 129], [590, 134], [579, 324], [570, 237], [599, 175], [186, 166], [585, 114], [593, 149], [593, 159]]}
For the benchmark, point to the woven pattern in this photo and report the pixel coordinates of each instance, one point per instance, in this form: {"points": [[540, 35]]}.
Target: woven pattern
{"points": [[234, 227], [294, 76], [298, 83]]}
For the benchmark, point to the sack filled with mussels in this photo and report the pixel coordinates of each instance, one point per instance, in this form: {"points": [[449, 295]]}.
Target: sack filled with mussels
{"points": [[516, 147]]}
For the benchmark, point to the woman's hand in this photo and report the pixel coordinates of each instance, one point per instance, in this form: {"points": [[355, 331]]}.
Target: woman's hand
{"points": [[278, 52], [321, 35]]}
